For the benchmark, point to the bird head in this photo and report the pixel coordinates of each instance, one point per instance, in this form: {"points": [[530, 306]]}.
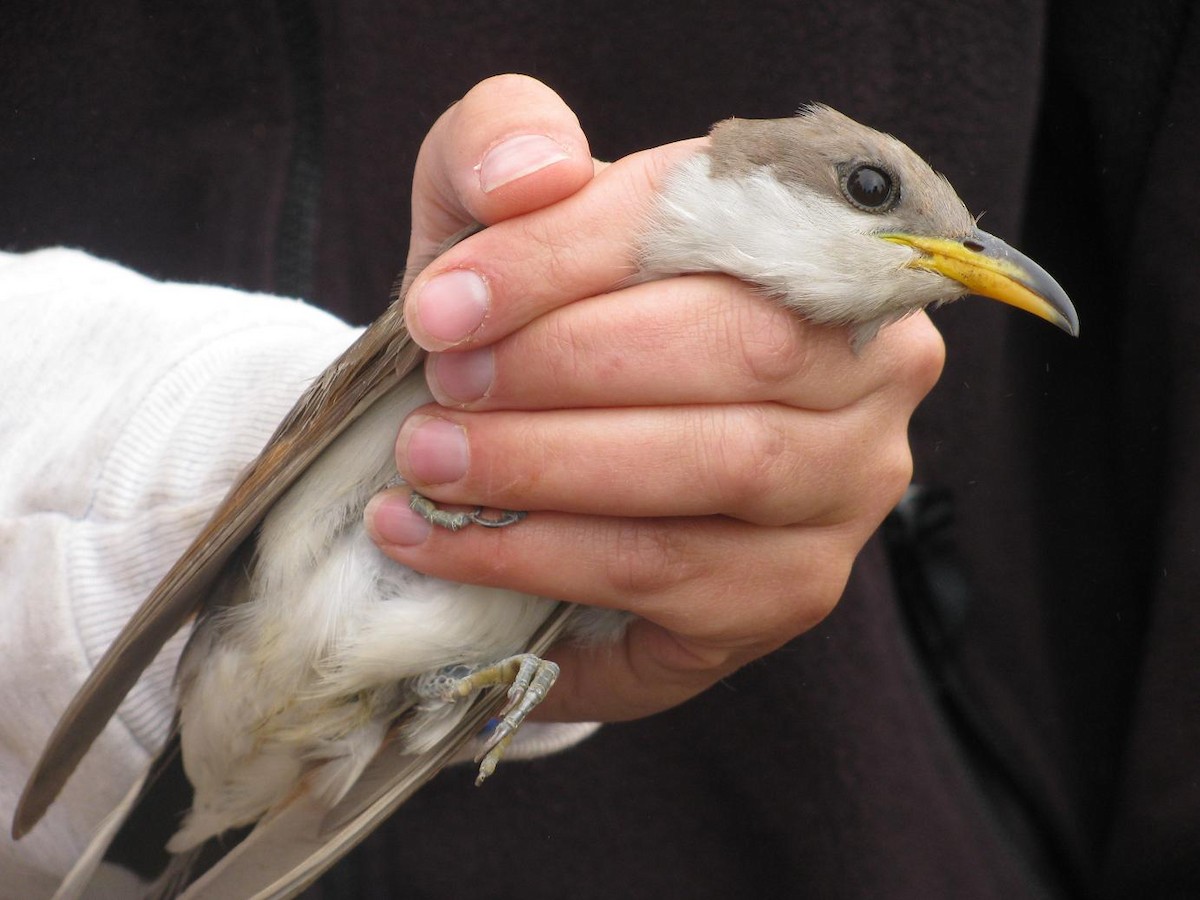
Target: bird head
{"points": [[843, 224]]}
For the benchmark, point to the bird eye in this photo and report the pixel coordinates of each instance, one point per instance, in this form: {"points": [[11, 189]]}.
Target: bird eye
{"points": [[870, 188]]}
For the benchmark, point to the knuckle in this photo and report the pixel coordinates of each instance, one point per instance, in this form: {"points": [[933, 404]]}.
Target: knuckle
{"points": [[920, 356], [687, 656], [561, 340], [825, 593], [764, 336], [747, 453], [497, 474], [558, 268], [888, 475], [895, 473], [560, 264], [822, 568], [504, 91], [646, 560], [864, 476], [505, 81], [492, 563]]}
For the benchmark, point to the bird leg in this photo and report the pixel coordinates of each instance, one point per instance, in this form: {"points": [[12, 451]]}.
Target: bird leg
{"points": [[529, 679], [435, 515]]}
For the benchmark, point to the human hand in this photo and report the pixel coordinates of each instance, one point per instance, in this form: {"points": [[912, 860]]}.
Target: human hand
{"points": [[691, 452]]}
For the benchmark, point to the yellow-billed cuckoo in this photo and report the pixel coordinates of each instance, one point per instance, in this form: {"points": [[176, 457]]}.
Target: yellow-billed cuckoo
{"points": [[312, 650]]}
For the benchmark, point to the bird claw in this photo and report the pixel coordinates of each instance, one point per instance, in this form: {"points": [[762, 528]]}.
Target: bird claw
{"points": [[529, 679], [453, 521], [506, 517], [532, 682]]}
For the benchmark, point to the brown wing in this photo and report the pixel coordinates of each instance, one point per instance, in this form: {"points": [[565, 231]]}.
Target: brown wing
{"points": [[372, 365]]}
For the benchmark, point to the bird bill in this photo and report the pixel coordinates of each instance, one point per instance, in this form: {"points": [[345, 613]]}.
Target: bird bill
{"points": [[989, 267]]}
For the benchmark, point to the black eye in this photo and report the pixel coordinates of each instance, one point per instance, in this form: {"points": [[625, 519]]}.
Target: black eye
{"points": [[870, 188]]}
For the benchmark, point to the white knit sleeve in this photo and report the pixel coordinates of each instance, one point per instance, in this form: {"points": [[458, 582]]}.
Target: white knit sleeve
{"points": [[127, 406]]}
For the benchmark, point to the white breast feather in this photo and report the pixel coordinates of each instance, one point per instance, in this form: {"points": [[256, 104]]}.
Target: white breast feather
{"points": [[313, 669]]}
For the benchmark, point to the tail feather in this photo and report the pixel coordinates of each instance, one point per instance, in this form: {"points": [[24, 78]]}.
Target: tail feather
{"points": [[83, 872], [293, 844], [130, 835], [178, 874]]}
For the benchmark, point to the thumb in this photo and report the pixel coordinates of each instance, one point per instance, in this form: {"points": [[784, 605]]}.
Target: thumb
{"points": [[510, 146]]}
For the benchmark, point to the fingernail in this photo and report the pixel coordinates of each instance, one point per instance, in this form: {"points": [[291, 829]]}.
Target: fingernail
{"points": [[516, 157], [451, 306], [436, 449], [462, 377], [389, 520]]}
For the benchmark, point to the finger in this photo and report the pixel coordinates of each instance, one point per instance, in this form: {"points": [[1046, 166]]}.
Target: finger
{"points": [[511, 145], [710, 595], [761, 463], [504, 277], [700, 339], [718, 580]]}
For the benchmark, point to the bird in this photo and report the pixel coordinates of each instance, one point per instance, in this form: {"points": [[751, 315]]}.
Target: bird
{"points": [[322, 682]]}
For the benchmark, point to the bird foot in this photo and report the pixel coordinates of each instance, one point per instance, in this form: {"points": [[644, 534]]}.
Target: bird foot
{"points": [[453, 521], [529, 679]]}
